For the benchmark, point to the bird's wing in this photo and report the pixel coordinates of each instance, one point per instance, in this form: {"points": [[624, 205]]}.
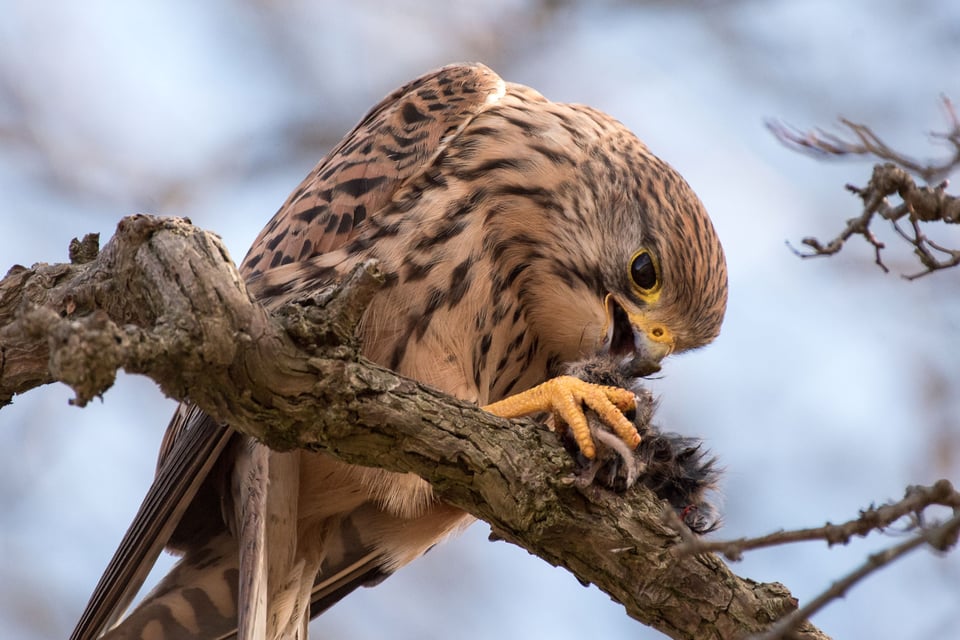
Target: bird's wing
{"points": [[186, 464], [394, 142], [391, 145]]}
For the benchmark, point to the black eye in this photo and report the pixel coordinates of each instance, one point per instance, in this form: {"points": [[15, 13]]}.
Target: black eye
{"points": [[644, 271]]}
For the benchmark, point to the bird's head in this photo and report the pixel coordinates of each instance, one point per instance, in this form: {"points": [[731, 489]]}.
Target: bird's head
{"points": [[663, 273], [623, 258]]}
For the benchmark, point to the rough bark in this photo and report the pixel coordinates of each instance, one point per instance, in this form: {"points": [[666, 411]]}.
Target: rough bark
{"points": [[163, 299]]}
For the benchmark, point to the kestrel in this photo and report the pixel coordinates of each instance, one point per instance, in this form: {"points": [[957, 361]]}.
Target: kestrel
{"points": [[517, 235]]}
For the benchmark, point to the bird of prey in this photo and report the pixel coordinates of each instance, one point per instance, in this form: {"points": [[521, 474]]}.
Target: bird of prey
{"points": [[517, 235]]}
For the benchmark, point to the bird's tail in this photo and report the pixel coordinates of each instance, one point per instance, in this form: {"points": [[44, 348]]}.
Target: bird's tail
{"points": [[197, 599]]}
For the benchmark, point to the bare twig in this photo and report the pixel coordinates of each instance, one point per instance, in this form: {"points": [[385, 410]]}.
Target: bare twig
{"points": [[939, 535], [823, 144], [915, 500], [919, 204]]}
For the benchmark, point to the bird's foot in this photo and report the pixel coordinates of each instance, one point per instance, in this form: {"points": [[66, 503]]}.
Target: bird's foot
{"points": [[565, 397], [676, 468]]}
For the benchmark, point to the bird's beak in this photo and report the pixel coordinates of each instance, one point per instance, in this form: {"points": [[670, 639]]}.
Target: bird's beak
{"points": [[636, 337]]}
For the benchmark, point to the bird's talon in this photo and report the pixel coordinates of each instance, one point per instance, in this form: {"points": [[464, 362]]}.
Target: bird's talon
{"points": [[565, 397]]}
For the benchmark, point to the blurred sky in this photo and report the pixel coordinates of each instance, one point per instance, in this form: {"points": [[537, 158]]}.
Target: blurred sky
{"points": [[831, 387]]}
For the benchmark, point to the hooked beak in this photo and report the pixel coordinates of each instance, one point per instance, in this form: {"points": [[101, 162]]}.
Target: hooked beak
{"points": [[635, 338]]}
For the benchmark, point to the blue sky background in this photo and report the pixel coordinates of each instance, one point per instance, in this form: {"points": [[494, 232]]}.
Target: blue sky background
{"points": [[831, 387]]}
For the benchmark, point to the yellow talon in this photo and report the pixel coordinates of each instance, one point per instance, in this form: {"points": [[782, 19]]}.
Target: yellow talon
{"points": [[565, 396]]}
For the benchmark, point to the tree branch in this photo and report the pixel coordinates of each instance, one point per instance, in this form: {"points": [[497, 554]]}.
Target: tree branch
{"points": [[941, 536], [164, 300], [920, 205], [913, 504]]}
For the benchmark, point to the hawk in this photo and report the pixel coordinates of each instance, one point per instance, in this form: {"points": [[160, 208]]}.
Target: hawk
{"points": [[517, 235]]}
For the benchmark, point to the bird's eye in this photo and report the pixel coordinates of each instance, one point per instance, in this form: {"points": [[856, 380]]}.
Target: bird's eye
{"points": [[643, 271]]}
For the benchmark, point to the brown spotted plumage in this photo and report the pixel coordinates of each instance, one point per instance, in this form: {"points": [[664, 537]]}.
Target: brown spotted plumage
{"points": [[517, 235]]}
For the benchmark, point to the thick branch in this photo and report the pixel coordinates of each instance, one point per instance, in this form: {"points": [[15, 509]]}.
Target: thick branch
{"points": [[164, 300]]}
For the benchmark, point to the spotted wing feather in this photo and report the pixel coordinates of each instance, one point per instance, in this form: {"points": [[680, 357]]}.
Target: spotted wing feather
{"points": [[395, 141]]}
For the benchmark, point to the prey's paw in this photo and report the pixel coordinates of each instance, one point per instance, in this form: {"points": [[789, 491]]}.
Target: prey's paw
{"points": [[676, 468], [566, 398]]}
